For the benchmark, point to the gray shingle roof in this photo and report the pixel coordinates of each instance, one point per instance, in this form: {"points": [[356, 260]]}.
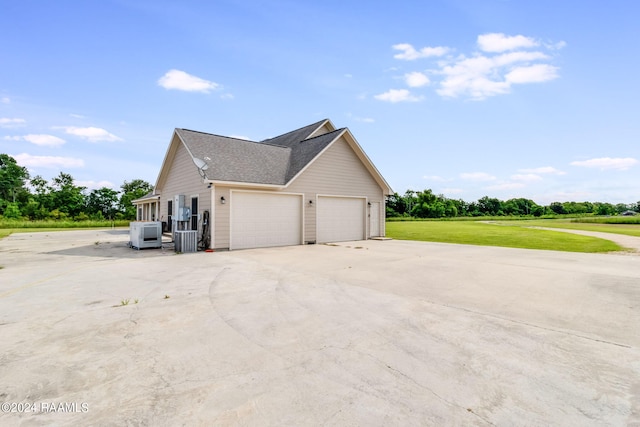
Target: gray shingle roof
{"points": [[272, 161]]}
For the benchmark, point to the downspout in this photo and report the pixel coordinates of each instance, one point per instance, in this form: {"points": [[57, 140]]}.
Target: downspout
{"points": [[212, 218]]}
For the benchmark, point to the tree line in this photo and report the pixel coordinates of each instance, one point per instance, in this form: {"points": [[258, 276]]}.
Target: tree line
{"points": [[426, 204], [35, 198]]}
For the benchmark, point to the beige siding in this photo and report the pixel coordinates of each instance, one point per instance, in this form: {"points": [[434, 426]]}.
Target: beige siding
{"points": [[222, 218], [338, 171], [183, 178]]}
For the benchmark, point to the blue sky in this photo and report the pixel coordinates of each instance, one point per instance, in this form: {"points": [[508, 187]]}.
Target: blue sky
{"points": [[504, 98]]}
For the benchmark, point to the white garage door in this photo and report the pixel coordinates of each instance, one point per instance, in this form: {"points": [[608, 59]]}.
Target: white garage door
{"points": [[261, 220], [340, 219]]}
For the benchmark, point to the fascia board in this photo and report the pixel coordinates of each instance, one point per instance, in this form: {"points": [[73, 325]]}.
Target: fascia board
{"points": [[243, 184], [168, 157]]}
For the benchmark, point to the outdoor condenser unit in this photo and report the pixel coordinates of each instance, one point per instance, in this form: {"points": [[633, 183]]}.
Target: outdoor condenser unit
{"points": [[145, 234], [186, 241]]}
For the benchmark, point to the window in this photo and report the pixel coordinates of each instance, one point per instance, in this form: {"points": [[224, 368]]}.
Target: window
{"points": [[194, 213]]}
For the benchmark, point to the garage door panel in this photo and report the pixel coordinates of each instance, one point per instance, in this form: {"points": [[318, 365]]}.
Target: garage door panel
{"points": [[262, 220], [340, 219]]}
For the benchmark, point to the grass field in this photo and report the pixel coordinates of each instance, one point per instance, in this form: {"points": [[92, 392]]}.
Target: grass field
{"points": [[506, 235], [8, 227], [630, 229]]}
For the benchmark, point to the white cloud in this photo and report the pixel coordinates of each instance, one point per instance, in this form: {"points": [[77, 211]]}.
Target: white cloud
{"points": [[556, 46], [364, 119], [500, 63], [39, 139], [604, 163], [532, 74], [515, 57], [6, 122], [481, 76], [28, 160], [409, 53], [95, 185], [5, 100], [529, 177], [477, 176], [77, 116], [498, 42], [398, 95], [505, 186], [92, 134], [227, 96], [543, 170], [416, 79], [179, 80]]}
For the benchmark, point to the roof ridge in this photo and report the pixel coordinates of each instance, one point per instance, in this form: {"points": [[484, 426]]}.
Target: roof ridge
{"points": [[296, 130], [219, 136], [324, 134]]}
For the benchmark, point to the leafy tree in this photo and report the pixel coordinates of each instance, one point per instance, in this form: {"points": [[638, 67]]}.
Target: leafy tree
{"points": [[409, 199], [519, 206], [396, 205], [12, 211], [605, 209], [103, 201], [489, 206], [42, 194], [131, 191], [12, 180], [621, 207], [66, 196], [557, 208]]}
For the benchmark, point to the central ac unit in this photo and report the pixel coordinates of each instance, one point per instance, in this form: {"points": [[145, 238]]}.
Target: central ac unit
{"points": [[186, 241]]}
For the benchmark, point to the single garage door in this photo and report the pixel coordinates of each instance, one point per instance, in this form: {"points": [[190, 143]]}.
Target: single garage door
{"points": [[340, 219], [261, 220]]}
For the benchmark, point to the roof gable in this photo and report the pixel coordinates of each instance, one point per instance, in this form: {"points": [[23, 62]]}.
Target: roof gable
{"points": [[274, 162], [303, 152]]}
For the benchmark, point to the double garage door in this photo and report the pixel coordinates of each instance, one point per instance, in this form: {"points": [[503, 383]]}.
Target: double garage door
{"points": [[264, 219]]}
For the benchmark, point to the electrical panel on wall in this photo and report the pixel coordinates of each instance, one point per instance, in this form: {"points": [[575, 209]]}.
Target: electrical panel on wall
{"points": [[182, 212]]}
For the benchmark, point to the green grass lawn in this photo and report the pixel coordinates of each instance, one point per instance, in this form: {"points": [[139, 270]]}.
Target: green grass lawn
{"points": [[627, 229], [507, 235], [4, 232], [8, 226]]}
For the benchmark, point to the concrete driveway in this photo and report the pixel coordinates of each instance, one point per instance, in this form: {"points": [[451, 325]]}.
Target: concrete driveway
{"points": [[357, 333]]}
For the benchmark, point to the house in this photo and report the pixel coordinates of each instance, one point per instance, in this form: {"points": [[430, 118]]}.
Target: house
{"points": [[311, 185]]}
